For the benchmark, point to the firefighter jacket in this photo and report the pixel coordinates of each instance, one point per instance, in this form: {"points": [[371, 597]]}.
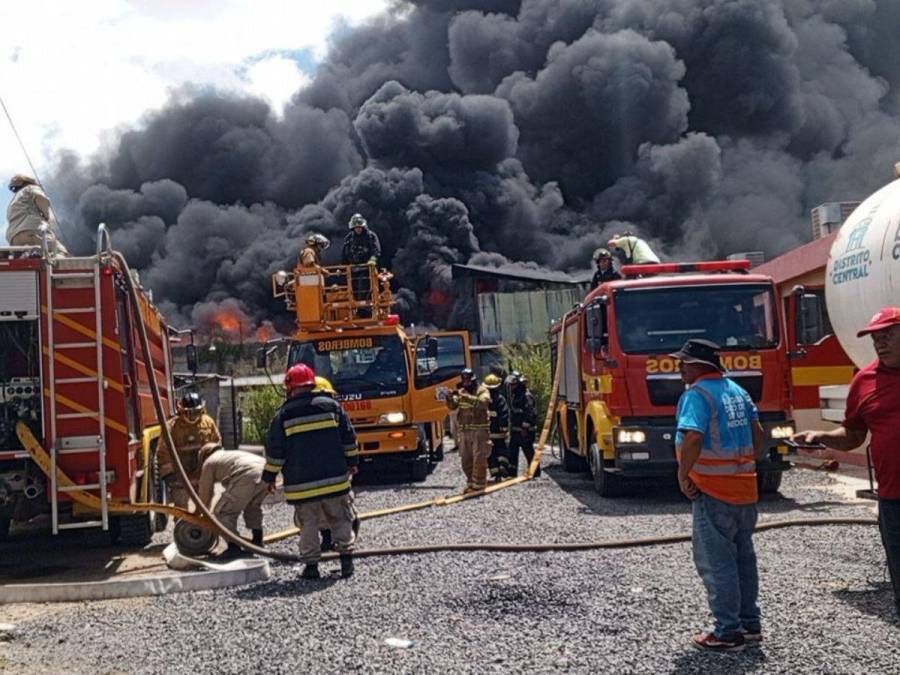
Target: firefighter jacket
{"points": [[188, 437], [225, 466], [499, 416], [309, 257], [602, 276], [312, 443], [473, 408], [28, 210], [361, 249], [522, 412]]}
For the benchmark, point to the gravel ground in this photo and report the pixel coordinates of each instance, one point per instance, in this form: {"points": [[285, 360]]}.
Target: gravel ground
{"points": [[823, 594]]}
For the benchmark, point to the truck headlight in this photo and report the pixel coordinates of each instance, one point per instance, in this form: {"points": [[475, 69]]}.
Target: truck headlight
{"points": [[392, 418], [624, 436], [782, 431]]}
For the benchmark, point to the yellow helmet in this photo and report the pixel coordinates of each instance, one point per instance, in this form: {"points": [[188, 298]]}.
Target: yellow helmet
{"points": [[492, 381], [323, 385]]}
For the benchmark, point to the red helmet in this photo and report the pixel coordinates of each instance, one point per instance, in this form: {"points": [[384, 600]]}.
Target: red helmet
{"points": [[299, 375]]}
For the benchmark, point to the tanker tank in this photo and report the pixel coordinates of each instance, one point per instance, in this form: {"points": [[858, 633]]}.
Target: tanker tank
{"points": [[863, 271]]}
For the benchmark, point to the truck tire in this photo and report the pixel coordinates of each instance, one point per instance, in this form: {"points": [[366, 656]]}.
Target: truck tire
{"points": [[768, 482], [418, 469], [606, 484], [134, 530], [571, 462]]}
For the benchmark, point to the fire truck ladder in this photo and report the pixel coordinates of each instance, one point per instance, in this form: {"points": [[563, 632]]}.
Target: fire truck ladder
{"points": [[63, 275]]}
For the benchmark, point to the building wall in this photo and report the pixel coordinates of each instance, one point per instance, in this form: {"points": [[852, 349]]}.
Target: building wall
{"points": [[525, 316]]}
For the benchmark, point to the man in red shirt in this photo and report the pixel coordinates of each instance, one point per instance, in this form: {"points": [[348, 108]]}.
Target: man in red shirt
{"points": [[873, 406]]}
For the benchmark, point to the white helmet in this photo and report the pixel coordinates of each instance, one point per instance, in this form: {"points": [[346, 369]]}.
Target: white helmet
{"points": [[356, 220], [318, 240], [19, 181]]}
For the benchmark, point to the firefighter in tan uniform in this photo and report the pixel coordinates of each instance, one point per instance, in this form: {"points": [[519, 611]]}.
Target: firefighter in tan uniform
{"points": [[240, 473], [28, 210], [472, 401], [311, 255], [191, 430]]}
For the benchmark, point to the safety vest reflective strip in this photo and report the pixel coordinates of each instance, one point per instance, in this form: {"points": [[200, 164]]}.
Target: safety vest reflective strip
{"points": [[272, 467], [310, 426], [716, 460], [501, 434], [317, 488], [351, 450], [474, 426]]}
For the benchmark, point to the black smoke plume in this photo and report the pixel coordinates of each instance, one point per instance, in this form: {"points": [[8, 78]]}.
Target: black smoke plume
{"points": [[506, 132]]}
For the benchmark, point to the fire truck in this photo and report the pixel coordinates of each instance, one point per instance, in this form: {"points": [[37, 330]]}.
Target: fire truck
{"points": [[73, 372], [619, 387], [391, 383]]}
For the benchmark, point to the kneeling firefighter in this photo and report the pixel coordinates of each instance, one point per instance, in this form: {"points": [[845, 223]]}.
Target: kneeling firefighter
{"points": [[240, 473], [523, 418], [311, 441], [498, 461], [191, 429]]}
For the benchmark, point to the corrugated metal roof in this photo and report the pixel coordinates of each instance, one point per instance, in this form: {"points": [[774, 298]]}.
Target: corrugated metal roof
{"points": [[515, 273]]}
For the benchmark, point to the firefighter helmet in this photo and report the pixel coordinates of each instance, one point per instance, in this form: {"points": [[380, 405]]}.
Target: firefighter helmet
{"points": [[320, 241], [19, 181], [299, 375], [516, 378], [492, 381], [601, 254], [356, 220], [191, 406], [324, 386], [468, 375]]}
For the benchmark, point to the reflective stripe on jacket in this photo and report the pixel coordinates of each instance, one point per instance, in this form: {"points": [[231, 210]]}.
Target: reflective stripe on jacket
{"points": [[312, 443], [473, 408]]}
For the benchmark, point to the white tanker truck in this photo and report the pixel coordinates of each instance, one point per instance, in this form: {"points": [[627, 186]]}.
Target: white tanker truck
{"points": [[863, 271]]}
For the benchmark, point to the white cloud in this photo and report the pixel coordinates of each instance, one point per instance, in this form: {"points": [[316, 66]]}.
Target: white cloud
{"points": [[71, 71]]}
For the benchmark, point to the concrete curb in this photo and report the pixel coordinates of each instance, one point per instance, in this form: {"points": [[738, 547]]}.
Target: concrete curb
{"points": [[249, 572]]}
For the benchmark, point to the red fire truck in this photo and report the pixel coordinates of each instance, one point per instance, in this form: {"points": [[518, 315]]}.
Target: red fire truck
{"points": [[73, 372], [619, 387]]}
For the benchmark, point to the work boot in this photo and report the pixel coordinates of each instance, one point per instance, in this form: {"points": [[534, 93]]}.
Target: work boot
{"points": [[311, 571], [346, 565], [257, 538], [327, 542], [233, 551], [355, 526]]}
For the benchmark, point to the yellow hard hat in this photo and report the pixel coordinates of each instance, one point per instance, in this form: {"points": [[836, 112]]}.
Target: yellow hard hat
{"points": [[322, 384], [492, 381]]}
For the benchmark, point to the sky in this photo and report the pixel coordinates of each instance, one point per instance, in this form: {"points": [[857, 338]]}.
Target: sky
{"points": [[71, 73]]}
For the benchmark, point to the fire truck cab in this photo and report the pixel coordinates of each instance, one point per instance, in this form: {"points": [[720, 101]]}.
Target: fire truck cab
{"points": [[619, 387], [392, 384]]}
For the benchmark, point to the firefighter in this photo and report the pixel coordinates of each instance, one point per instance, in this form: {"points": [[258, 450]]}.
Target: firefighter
{"points": [[240, 473], [605, 269], [498, 462], [316, 244], [523, 419], [27, 212], [312, 443], [361, 245], [191, 429], [472, 401], [324, 387], [632, 249]]}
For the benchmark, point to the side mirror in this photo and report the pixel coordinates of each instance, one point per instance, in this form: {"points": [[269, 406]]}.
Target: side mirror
{"points": [[190, 353], [594, 345], [262, 358]]}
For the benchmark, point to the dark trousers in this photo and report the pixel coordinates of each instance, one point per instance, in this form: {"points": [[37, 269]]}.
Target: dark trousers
{"points": [[525, 443], [498, 460], [889, 524]]}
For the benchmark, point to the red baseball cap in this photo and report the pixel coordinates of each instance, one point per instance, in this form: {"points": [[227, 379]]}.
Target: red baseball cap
{"points": [[885, 318]]}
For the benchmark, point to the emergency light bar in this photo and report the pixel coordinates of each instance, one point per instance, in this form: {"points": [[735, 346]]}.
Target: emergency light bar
{"points": [[681, 268]]}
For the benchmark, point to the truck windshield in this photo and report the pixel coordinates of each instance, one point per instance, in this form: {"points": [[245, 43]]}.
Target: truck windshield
{"points": [[660, 320], [357, 367]]}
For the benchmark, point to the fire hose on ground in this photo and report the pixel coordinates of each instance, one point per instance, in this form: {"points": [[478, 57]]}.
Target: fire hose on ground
{"points": [[205, 518]]}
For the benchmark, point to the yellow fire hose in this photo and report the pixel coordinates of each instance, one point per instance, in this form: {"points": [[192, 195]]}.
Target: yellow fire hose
{"points": [[205, 517]]}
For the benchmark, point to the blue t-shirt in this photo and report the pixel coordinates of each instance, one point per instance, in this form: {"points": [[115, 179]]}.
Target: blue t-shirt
{"points": [[737, 412]]}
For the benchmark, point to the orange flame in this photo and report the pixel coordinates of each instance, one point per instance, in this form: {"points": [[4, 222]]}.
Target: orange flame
{"points": [[230, 323]]}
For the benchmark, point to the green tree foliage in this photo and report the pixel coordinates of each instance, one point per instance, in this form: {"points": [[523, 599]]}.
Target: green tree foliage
{"points": [[261, 405], [533, 361]]}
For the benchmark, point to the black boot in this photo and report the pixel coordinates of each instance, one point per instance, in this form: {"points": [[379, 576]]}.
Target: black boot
{"points": [[327, 543], [233, 551], [311, 571], [355, 526], [257, 538], [346, 565]]}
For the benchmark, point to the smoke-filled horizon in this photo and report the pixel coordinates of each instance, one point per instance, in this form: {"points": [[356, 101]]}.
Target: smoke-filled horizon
{"points": [[501, 132]]}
